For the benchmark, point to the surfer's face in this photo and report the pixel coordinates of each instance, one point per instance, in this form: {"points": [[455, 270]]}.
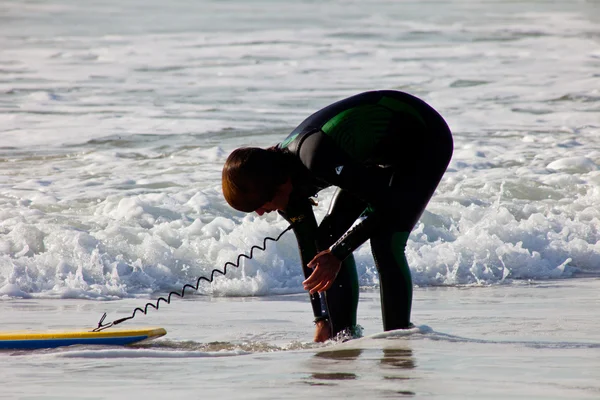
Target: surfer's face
{"points": [[279, 201]]}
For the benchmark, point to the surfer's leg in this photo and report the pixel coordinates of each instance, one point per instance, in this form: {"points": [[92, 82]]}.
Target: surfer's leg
{"points": [[342, 297], [395, 282], [412, 185]]}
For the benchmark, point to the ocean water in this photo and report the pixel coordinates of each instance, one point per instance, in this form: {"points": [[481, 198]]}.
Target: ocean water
{"points": [[116, 118]]}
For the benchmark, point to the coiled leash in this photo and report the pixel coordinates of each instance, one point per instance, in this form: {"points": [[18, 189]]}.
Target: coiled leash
{"points": [[155, 305]]}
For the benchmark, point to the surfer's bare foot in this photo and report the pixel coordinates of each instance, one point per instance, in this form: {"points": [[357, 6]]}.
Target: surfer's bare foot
{"points": [[323, 331]]}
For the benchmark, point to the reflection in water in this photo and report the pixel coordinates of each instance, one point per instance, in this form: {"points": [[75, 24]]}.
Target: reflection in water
{"points": [[401, 359], [394, 364], [350, 354], [337, 355], [398, 358], [406, 393], [334, 376]]}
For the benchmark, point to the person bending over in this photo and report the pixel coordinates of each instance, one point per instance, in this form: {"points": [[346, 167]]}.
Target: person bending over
{"points": [[385, 151]]}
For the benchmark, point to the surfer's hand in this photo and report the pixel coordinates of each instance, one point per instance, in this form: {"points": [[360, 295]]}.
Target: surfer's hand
{"points": [[326, 267], [323, 331]]}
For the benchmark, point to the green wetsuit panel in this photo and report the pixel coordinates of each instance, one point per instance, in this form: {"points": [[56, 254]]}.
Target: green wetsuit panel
{"points": [[358, 130]]}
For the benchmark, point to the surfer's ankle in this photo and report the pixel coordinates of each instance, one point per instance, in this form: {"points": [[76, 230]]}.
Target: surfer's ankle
{"points": [[322, 331]]}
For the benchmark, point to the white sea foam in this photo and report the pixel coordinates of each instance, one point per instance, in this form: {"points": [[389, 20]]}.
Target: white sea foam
{"points": [[113, 137], [143, 353]]}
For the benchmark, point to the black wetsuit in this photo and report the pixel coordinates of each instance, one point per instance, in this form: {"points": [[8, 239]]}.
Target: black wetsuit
{"points": [[386, 151]]}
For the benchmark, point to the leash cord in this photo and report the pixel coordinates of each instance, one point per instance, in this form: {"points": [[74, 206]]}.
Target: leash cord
{"points": [[156, 304]]}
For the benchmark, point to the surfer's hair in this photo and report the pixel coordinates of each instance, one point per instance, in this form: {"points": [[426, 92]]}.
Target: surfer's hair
{"points": [[251, 176]]}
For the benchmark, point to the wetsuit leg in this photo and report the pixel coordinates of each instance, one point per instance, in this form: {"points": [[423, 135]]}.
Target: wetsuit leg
{"points": [[395, 283], [342, 297], [414, 181]]}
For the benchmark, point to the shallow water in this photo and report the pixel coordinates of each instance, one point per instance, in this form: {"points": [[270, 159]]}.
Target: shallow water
{"points": [[535, 341]]}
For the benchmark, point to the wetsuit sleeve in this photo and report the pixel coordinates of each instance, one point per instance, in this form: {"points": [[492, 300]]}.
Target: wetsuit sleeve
{"points": [[299, 213], [330, 164]]}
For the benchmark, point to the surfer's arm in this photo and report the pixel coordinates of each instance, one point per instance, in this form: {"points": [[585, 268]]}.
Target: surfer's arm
{"points": [[299, 213]]}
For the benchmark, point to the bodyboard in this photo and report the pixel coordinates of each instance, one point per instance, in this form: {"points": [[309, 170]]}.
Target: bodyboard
{"points": [[47, 340]]}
